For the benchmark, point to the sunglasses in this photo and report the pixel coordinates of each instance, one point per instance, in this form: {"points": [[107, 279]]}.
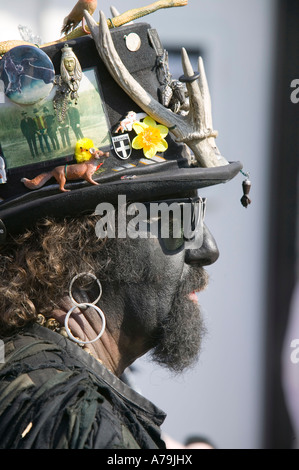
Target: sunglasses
{"points": [[176, 222]]}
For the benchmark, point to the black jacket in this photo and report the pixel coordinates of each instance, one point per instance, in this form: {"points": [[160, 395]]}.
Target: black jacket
{"points": [[54, 395]]}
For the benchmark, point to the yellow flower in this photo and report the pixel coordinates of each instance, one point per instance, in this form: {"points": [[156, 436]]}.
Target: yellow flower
{"points": [[150, 137]]}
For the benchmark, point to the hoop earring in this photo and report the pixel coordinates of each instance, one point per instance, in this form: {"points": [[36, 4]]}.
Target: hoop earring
{"points": [[84, 305], [77, 277]]}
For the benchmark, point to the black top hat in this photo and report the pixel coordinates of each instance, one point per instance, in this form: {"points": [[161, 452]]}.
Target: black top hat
{"points": [[102, 106]]}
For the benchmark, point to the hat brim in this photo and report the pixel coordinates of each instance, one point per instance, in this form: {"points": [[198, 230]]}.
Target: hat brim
{"points": [[84, 197]]}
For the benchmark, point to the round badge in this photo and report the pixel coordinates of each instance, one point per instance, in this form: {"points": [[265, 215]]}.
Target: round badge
{"points": [[28, 75], [133, 42]]}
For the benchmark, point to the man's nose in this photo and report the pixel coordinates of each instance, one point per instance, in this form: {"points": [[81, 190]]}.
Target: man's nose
{"points": [[207, 254]]}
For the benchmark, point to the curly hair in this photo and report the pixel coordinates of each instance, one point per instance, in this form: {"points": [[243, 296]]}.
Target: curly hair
{"points": [[36, 267]]}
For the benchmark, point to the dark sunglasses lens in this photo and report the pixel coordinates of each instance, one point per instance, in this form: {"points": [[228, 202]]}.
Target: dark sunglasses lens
{"points": [[175, 238], [179, 222], [194, 224]]}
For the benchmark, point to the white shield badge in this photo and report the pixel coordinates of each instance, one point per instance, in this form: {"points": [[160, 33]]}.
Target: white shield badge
{"points": [[122, 146]]}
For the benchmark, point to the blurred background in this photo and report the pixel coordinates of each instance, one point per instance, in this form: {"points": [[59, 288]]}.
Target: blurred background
{"points": [[240, 394]]}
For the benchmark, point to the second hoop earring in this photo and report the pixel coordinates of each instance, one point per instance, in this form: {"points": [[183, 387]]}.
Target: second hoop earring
{"points": [[71, 336]]}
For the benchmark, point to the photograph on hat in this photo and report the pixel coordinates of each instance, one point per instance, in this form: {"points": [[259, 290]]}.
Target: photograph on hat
{"points": [[35, 133]]}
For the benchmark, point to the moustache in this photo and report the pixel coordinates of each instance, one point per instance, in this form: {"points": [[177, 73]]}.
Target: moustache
{"points": [[195, 280]]}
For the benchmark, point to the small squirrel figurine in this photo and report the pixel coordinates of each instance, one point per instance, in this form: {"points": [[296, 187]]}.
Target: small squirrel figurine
{"points": [[62, 173]]}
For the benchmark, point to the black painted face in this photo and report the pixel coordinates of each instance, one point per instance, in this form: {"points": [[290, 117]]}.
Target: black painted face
{"points": [[154, 283], [166, 271], [168, 262]]}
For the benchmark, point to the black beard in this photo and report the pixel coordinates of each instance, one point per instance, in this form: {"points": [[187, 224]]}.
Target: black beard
{"points": [[180, 334], [175, 339]]}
